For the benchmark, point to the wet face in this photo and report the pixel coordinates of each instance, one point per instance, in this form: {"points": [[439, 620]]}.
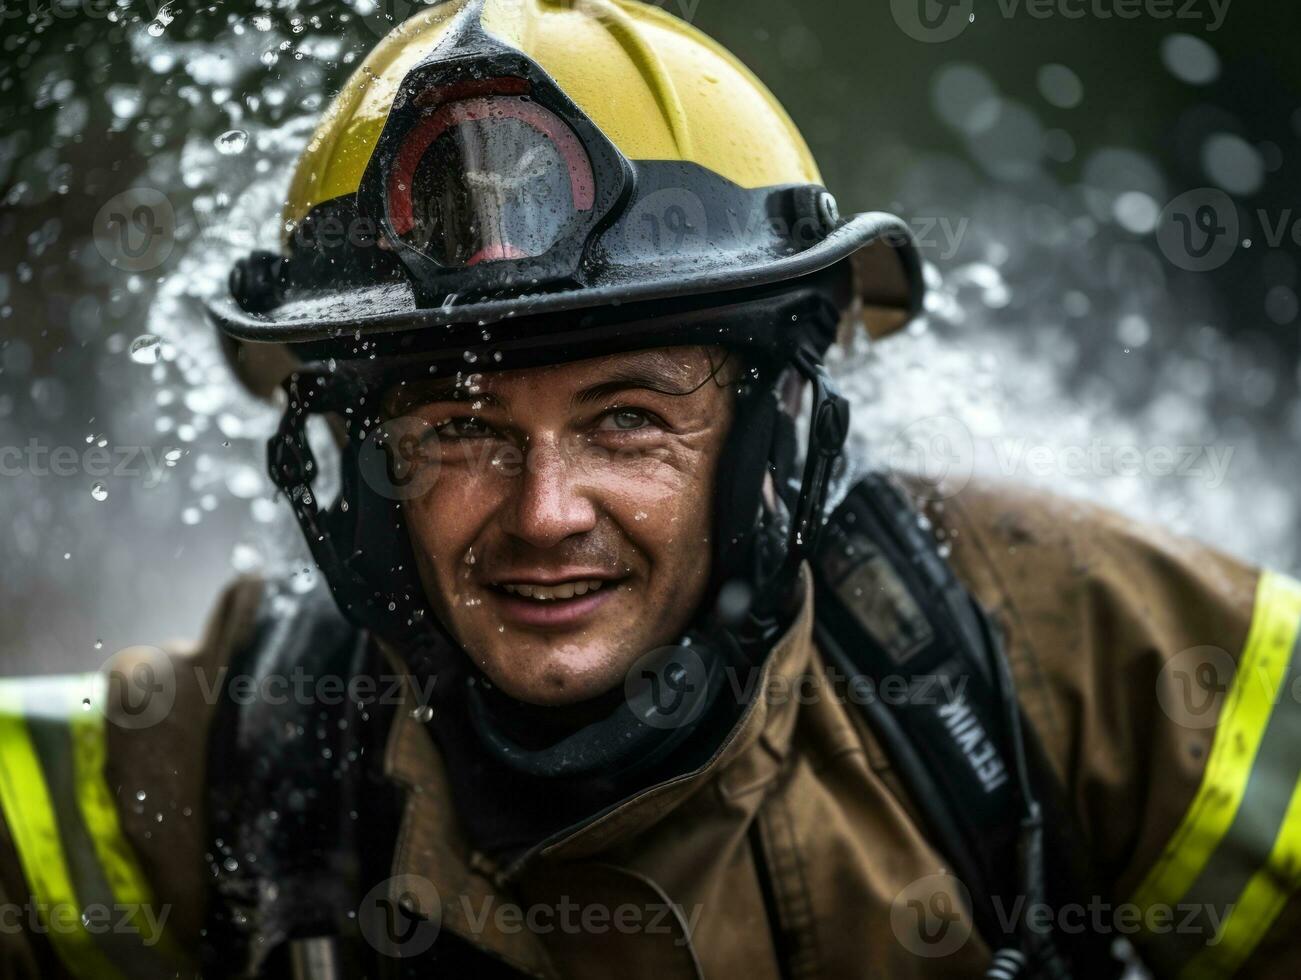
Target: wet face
{"points": [[567, 531]]}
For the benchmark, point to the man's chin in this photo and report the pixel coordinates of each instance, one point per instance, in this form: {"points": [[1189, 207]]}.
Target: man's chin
{"points": [[551, 677]]}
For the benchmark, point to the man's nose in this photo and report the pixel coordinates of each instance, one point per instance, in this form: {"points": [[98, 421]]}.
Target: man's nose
{"points": [[552, 500]]}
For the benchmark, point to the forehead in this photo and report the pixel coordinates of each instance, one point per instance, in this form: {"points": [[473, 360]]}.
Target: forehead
{"points": [[673, 370]]}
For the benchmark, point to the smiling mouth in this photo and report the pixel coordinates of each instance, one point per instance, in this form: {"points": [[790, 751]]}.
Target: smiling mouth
{"points": [[554, 606], [550, 593]]}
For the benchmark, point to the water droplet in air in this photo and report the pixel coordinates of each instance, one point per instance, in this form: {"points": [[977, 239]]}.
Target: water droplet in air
{"points": [[423, 713], [161, 19], [232, 142], [99, 492], [146, 349]]}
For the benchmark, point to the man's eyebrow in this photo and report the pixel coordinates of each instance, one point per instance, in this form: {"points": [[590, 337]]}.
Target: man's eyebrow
{"points": [[662, 376]]}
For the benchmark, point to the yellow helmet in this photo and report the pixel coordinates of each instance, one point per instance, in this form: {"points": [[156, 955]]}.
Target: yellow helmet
{"points": [[497, 159], [506, 183]]}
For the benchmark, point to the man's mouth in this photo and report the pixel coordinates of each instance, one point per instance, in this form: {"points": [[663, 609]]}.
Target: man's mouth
{"points": [[548, 593], [557, 604]]}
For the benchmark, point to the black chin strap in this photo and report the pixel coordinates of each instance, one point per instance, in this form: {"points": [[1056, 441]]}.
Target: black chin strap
{"points": [[358, 542], [774, 568]]}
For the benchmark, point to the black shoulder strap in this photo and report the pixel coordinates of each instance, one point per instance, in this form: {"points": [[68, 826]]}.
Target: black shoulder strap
{"points": [[290, 783], [302, 821], [931, 677]]}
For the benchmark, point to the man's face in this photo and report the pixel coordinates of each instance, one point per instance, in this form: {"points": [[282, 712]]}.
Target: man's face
{"points": [[567, 531]]}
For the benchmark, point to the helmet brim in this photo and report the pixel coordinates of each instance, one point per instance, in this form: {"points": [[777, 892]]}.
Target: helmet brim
{"points": [[887, 273]]}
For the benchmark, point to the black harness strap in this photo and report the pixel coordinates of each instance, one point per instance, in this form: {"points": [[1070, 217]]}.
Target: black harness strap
{"points": [[302, 821], [290, 775], [931, 677]]}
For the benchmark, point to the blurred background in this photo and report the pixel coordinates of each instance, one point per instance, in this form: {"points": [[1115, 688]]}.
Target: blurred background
{"points": [[1106, 193]]}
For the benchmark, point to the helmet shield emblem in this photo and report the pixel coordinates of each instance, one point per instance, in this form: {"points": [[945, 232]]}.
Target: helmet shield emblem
{"points": [[487, 178]]}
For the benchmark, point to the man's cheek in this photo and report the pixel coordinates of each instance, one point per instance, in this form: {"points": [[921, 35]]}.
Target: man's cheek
{"points": [[434, 535], [651, 487], [449, 512]]}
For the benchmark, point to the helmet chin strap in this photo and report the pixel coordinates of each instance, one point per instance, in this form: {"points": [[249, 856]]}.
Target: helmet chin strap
{"points": [[399, 616], [828, 429], [774, 596]]}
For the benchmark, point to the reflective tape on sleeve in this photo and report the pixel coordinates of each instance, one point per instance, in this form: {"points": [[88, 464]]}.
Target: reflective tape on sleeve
{"points": [[1238, 846], [29, 812]]}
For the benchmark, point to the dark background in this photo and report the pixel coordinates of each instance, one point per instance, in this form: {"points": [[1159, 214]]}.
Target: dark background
{"points": [[1054, 320]]}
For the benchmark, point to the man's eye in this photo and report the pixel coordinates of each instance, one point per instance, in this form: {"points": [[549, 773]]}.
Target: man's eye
{"points": [[624, 419], [463, 428]]}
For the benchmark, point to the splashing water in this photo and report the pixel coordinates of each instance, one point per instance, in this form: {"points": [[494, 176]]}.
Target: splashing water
{"points": [[1056, 348]]}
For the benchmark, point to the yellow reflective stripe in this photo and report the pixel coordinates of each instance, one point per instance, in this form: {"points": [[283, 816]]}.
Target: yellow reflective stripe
{"points": [[29, 814], [130, 887], [1247, 709], [1258, 905]]}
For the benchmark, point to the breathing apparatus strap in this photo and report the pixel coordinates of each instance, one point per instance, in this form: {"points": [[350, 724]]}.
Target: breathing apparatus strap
{"points": [[890, 611], [301, 818], [293, 779]]}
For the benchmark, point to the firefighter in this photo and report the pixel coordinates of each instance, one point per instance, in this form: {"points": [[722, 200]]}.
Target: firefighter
{"points": [[603, 680]]}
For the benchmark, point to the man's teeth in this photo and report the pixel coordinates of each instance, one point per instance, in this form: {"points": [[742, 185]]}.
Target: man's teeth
{"points": [[565, 590]]}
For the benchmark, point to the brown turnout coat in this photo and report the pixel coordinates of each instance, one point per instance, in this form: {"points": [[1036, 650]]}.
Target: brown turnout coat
{"points": [[1110, 627]]}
